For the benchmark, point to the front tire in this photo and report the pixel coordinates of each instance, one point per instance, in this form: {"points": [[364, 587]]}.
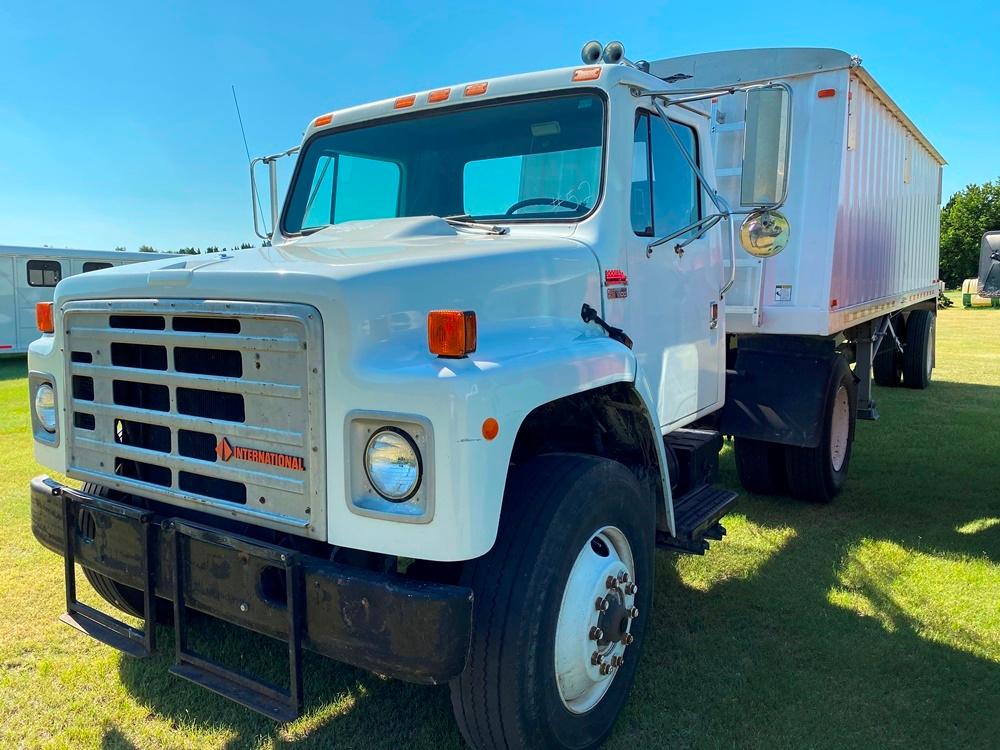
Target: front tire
{"points": [[575, 530], [129, 600], [818, 474]]}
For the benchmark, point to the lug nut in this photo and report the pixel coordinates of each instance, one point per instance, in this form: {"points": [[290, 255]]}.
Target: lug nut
{"points": [[623, 577], [633, 612], [628, 639], [606, 669], [617, 661], [631, 589], [601, 605], [596, 633], [611, 583], [596, 659]]}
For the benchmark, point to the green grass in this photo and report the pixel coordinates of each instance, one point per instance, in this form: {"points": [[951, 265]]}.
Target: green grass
{"points": [[872, 622]]}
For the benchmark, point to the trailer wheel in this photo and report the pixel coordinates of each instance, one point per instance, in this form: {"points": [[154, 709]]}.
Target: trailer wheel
{"points": [[887, 366], [818, 474], [125, 598], [761, 466], [918, 357], [560, 607]]}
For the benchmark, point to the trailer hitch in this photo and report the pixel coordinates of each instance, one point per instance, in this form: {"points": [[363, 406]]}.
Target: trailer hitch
{"points": [[590, 315]]}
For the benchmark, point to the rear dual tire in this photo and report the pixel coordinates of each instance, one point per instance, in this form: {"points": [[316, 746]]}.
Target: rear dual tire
{"points": [[530, 680], [818, 474], [911, 367], [813, 474], [918, 356]]}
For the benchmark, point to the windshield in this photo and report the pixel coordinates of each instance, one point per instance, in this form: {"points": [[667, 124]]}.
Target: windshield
{"points": [[528, 159]]}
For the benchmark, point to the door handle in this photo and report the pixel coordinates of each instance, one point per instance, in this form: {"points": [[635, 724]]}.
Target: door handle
{"points": [[713, 315]]}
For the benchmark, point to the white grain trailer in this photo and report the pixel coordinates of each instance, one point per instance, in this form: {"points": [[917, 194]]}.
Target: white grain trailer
{"points": [[29, 275], [860, 267]]}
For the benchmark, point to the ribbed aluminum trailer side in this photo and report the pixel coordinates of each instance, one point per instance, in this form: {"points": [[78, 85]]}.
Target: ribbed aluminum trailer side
{"points": [[864, 193]]}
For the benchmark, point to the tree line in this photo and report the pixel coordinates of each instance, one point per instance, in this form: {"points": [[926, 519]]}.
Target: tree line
{"points": [[965, 218], [192, 250]]}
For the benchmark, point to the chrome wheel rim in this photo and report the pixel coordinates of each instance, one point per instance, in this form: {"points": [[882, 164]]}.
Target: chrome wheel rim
{"points": [[840, 428], [593, 631]]}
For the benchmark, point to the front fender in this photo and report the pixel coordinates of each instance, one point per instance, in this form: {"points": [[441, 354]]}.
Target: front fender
{"points": [[513, 373]]}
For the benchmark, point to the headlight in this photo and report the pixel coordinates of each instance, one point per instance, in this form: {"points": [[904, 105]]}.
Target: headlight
{"points": [[392, 462], [45, 406]]}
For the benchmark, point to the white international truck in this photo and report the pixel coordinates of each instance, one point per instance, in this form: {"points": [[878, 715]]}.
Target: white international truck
{"points": [[440, 426]]}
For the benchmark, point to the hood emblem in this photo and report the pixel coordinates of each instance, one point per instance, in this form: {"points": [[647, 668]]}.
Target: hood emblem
{"points": [[226, 451]]}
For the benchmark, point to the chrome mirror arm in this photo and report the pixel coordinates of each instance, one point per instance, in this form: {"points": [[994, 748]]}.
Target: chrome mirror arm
{"points": [[271, 162]]}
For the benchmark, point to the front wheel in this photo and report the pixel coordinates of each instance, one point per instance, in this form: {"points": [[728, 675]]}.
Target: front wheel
{"points": [[560, 607], [129, 600]]}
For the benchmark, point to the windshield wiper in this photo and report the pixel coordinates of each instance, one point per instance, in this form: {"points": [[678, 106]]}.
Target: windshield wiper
{"points": [[464, 220]]}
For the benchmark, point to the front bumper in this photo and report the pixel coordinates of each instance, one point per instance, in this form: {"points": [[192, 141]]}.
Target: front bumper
{"points": [[412, 630]]}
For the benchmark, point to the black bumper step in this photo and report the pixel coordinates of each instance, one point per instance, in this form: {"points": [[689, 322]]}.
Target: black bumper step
{"points": [[696, 517]]}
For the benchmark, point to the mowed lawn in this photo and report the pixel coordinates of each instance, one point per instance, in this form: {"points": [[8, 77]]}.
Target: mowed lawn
{"points": [[872, 622]]}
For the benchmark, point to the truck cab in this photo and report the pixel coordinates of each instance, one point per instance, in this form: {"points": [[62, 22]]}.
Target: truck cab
{"points": [[439, 424]]}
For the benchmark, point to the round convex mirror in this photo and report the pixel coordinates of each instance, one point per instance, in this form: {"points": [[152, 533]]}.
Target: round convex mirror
{"points": [[764, 233]]}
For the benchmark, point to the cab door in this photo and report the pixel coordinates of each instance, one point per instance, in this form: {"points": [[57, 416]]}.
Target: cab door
{"points": [[675, 315]]}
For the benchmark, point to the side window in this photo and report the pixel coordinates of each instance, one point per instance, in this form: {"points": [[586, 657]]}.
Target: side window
{"points": [[93, 265], [641, 204], [352, 187], [675, 187], [44, 272]]}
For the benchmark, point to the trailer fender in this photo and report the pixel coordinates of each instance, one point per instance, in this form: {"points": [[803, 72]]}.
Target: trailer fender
{"points": [[777, 391]]}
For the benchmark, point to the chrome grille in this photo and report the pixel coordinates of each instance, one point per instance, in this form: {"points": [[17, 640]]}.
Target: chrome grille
{"points": [[212, 405]]}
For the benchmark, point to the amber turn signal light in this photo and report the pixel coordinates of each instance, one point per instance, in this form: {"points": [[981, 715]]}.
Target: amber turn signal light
{"points": [[451, 333], [44, 317]]}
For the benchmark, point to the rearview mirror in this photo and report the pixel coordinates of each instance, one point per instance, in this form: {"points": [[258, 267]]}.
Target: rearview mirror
{"points": [[766, 143]]}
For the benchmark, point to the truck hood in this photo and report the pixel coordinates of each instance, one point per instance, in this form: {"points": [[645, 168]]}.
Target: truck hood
{"points": [[379, 277]]}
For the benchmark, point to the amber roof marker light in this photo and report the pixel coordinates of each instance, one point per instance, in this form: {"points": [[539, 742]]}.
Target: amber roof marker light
{"points": [[586, 74], [451, 333]]}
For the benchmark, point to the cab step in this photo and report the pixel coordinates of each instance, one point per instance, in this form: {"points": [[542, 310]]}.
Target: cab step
{"points": [[696, 516]]}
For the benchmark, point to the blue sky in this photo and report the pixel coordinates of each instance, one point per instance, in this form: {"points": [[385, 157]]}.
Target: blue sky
{"points": [[117, 124]]}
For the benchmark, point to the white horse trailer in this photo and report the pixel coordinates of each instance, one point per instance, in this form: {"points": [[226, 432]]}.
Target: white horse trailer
{"points": [[29, 275]]}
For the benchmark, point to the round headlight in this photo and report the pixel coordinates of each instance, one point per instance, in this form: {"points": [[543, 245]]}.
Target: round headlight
{"points": [[45, 406], [392, 462]]}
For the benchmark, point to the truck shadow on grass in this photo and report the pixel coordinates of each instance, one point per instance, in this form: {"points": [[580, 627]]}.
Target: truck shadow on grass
{"points": [[868, 622]]}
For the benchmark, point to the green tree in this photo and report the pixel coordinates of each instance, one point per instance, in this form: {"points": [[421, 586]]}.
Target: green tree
{"points": [[189, 251], [146, 249], [121, 249], [968, 215]]}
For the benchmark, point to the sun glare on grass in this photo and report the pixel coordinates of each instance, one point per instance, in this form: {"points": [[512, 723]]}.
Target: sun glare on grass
{"points": [[952, 601], [748, 547], [980, 524]]}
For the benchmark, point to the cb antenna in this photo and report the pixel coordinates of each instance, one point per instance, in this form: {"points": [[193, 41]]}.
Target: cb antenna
{"points": [[246, 148]]}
